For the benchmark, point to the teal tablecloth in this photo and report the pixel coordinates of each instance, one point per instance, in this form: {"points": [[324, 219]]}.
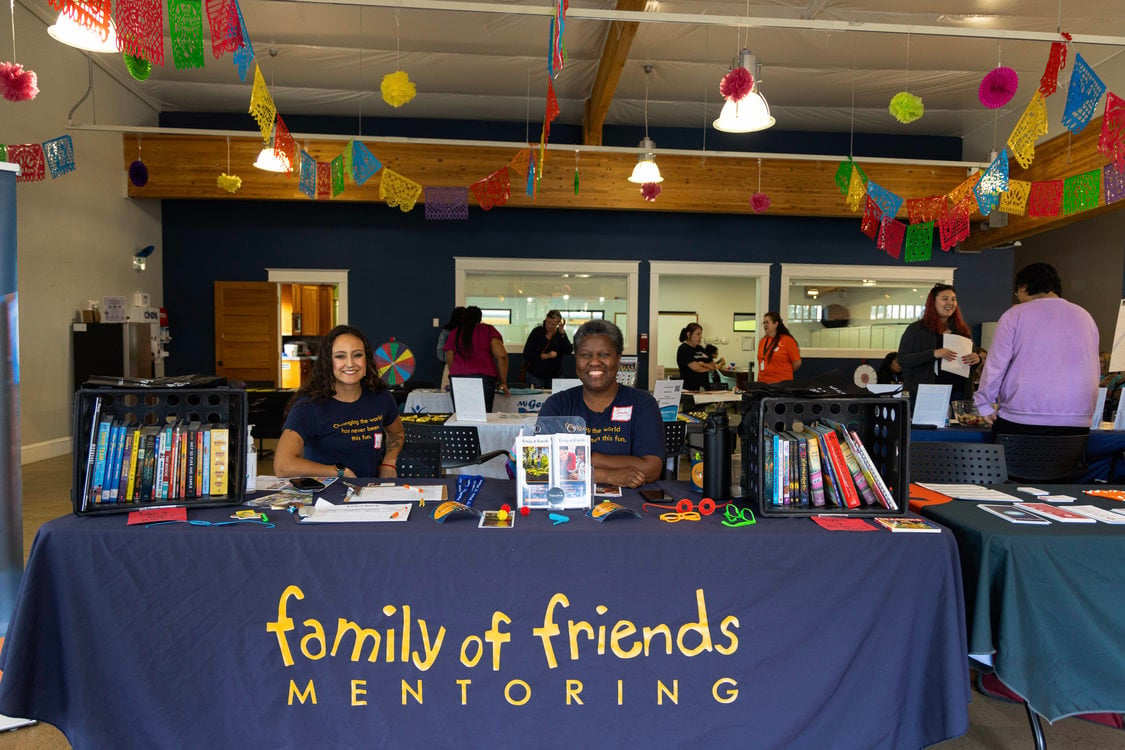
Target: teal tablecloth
{"points": [[1048, 602]]}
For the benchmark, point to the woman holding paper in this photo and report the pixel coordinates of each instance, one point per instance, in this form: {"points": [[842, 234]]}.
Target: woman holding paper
{"points": [[941, 336], [343, 422]]}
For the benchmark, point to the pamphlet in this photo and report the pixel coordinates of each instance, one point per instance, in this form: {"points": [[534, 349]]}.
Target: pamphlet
{"points": [[1012, 514], [553, 471], [491, 519], [970, 492], [326, 512], [1096, 420], [1055, 513], [667, 394], [963, 346], [931, 406], [468, 393], [1099, 514]]}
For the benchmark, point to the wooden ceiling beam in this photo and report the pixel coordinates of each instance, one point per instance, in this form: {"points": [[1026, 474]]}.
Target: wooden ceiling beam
{"points": [[186, 167], [618, 42], [1063, 156]]}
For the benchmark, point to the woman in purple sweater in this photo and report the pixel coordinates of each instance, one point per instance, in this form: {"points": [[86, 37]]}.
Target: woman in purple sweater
{"points": [[1041, 375]]}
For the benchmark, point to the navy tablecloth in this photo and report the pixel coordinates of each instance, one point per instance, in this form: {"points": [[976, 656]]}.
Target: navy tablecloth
{"points": [[779, 635]]}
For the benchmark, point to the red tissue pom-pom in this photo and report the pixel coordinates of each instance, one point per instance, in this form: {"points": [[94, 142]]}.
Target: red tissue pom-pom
{"points": [[650, 190], [525, 511], [759, 202], [998, 87], [736, 84], [17, 84]]}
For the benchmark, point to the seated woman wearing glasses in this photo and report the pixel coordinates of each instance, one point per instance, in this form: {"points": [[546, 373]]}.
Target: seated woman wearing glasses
{"points": [[624, 424]]}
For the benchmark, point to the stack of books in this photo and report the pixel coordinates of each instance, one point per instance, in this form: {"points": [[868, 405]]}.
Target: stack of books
{"points": [[820, 465], [135, 463]]}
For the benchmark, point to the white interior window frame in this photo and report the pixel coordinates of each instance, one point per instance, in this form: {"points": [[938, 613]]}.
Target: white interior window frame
{"points": [[658, 268], [337, 276], [628, 268], [925, 276]]}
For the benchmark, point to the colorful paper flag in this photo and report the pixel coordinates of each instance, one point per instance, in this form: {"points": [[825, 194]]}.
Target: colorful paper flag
{"points": [[872, 216], [953, 226], [89, 14], [920, 210], [1082, 192], [307, 182], [1111, 142], [140, 29], [1056, 61], [397, 190], [337, 166], [185, 26], [32, 161], [1031, 125], [888, 202], [493, 190], [262, 108], [226, 29], [244, 55], [1014, 201], [364, 163], [919, 242], [59, 154], [857, 189], [891, 234], [1114, 181], [323, 180], [1045, 198], [1082, 95], [283, 144], [447, 203]]}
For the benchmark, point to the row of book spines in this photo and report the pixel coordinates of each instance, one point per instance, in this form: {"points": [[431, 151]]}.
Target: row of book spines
{"points": [[818, 465], [138, 464]]}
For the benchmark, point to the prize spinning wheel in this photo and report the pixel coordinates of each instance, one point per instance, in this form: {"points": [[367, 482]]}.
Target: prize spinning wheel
{"points": [[394, 362], [864, 375]]}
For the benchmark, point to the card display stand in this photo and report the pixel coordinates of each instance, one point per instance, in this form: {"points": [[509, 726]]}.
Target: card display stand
{"points": [[882, 423], [156, 408]]}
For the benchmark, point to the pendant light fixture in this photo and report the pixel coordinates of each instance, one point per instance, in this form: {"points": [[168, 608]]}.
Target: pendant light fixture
{"points": [[751, 113], [646, 170], [73, 34]]}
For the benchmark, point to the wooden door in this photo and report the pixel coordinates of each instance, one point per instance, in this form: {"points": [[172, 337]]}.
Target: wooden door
{"points": [[327, 308], [310, 311], [247, 344]]}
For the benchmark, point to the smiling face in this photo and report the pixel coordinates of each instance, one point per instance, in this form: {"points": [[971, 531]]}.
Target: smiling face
{"points": [[349, 363], [945, 302], [596, 362]]}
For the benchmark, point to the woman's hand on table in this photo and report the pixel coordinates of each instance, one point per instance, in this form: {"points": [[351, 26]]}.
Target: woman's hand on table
{"points": [[503, 388], [386, 471], [624, 477]]}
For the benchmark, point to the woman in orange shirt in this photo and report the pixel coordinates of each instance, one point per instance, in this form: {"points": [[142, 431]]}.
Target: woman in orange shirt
{"points": [[778, 353]]}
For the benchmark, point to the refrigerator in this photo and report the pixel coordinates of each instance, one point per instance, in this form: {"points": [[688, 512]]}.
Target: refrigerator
{"points": [[115, 349]]}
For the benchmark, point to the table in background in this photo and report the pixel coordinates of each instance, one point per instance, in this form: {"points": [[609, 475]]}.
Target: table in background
{"points": [[498, 433], [1103, 449], [159, 637], [1047, 602], [433, 401]]}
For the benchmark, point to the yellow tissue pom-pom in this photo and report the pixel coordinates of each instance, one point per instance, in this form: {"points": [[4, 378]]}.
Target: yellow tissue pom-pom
{"points": [[397, 88], [906, 107], [229, 182]]}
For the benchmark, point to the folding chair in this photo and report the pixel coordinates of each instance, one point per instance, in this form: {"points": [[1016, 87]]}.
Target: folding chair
{"points": [[1043, 458], [960, 463], [460, 446], [420, 459], [675, 435]]}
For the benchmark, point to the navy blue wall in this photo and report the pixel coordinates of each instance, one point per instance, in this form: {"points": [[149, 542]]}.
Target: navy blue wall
{"points": [[402, 269]]}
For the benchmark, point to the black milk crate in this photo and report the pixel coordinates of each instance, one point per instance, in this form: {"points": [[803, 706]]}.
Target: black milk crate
{"points": [[156, 407], [882, 423]]}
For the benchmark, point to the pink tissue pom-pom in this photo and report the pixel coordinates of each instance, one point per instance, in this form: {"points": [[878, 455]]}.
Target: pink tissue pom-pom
{"points": [[736, 84], [650, 190], [18, 85], [998, 87], [759, 202]]}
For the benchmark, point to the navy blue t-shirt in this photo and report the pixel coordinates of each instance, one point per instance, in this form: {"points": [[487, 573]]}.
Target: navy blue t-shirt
{"points": [[630, 426], [351, 434]]}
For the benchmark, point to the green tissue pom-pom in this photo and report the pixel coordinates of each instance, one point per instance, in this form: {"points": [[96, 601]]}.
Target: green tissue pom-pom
{"points": [[905, 107], [138, 67]]}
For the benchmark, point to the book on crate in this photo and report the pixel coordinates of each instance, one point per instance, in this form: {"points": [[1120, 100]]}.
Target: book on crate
{"points": [[133, 463], [553, 471], [820, 464]]}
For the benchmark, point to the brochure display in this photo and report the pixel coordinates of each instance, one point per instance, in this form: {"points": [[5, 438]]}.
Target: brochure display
{"points": [[553, 467]]}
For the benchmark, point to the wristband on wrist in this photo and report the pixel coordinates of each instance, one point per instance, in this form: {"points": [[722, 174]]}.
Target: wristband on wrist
{"points": [[389, 466]]}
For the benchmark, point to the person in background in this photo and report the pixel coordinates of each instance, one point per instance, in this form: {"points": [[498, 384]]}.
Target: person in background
{"points": [[978, 368], [544, 349], [714, 379], [778, 353], [695, 366], [343, 422], [625, 427], [450, 326], [890, 371], [1112, 382], [1041, 375], [921, 348], [476, 349]]}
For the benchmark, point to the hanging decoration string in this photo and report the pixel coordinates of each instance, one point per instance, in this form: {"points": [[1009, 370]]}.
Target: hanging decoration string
{"points": [[12, 7], [359, 128]]}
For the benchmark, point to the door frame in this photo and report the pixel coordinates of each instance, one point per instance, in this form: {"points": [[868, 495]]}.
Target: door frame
{"points": [[337, 277]]}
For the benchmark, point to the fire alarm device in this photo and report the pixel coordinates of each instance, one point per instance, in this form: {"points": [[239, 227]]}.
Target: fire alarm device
{"points": [[644, 343]]}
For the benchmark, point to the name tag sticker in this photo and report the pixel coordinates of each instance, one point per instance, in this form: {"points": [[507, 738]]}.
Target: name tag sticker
{"points": [[378, 440], [621, 414]]}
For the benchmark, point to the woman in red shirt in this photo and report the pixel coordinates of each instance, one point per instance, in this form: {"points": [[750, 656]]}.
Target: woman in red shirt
{"points": [[778, 353]]}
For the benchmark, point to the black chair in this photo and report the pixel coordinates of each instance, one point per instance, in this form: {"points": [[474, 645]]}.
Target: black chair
{"points": [[960, 463], [1043, 458], [675, 435], [420, 459], [460, 446]]}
